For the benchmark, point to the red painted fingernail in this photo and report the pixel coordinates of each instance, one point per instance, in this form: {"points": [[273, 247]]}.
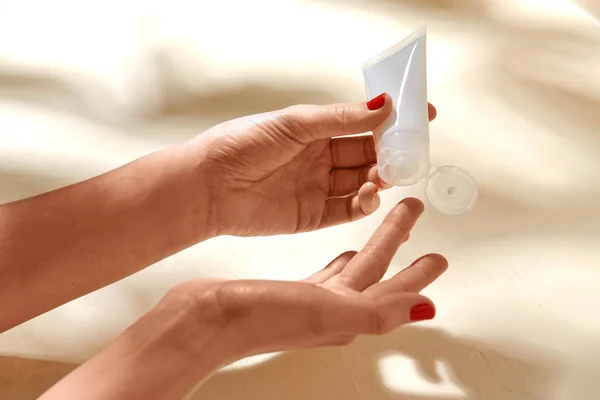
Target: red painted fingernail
{"points": [[376, 103], [421, 312], [432, 111]]}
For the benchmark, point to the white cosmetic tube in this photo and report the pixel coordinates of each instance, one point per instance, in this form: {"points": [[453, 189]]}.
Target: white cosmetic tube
{"points": [[402, 141]]}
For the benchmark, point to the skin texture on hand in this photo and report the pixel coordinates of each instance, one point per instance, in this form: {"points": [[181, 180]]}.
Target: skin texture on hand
{"points": [[294, 170]]}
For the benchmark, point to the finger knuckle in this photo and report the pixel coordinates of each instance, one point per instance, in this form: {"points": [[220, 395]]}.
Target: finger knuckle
{"points": [[400, 227], [373, 256], [348, 281], [379, 323], [369, 149], [363, 175], [340, 113], [424, 272], [354, 213], [336, 153], [398, 285], [333, 181], [293, 121]]}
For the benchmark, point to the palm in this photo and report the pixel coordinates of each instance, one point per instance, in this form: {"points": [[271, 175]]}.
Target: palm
{"points": [[298, 174], [291, 182], [337, 303]]}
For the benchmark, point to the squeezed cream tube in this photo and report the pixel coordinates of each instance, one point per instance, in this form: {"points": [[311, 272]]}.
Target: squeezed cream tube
{"points": [[402, 141]]}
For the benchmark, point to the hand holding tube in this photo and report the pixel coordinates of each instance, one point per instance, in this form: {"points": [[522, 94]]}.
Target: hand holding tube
{"points": [[293, 170]]}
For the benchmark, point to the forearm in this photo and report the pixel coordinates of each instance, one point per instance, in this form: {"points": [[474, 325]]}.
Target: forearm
{"points": [[63, 244], [164, 355]]}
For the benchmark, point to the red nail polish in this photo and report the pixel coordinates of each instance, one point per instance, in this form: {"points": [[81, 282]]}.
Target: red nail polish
{"points": [[376, 103], [422, 312], [431, 110]]}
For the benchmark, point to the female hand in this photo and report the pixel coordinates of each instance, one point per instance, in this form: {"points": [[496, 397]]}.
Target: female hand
{"points": [[331, 307], [284, 172], [202, 325]]}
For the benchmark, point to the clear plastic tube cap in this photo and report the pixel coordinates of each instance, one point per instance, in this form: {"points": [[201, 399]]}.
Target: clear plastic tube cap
{"points": [[402, 168], [451, 190]]}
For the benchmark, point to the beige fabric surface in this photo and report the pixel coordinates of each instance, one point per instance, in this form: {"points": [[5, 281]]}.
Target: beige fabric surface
{"points": [[88, 86]]}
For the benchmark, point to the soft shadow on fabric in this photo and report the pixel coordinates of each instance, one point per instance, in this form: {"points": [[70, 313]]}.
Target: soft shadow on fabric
{"points": [[352, 373], [475, 370]]}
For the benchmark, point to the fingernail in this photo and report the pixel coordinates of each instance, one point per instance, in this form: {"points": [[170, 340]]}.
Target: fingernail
{"points": [[376, 103], [421, 312], [432, 111]]}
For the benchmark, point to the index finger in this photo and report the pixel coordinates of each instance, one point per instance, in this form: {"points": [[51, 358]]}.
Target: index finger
{"points": [[370, 264], [314, 122]]}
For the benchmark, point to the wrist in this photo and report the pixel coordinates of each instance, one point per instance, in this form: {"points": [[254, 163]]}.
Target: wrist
{"points": [[182, 193], [198, 323], [170, 336], [164, 355]]}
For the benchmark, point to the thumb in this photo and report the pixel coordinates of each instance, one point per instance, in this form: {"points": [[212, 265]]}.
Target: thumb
{"points": [[394, 310], [375, 316], [326, 121]]}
